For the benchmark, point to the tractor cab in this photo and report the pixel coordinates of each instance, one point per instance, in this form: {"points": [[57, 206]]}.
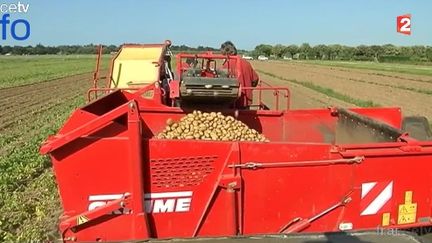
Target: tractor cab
{"points": [[208, 78], [206, 65]]}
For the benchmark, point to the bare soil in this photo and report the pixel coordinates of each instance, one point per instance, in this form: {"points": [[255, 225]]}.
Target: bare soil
{"points": [[24, 106], [373, 77], [360, 84], [302, 97], [21, 104], [404, 76]]}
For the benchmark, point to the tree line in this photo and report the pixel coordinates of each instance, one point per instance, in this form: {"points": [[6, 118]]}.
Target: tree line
{"points": [[80, 49], [382, 53]]}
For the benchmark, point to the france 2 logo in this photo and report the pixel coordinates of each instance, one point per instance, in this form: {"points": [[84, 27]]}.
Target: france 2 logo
{"points": [[403, 24]]}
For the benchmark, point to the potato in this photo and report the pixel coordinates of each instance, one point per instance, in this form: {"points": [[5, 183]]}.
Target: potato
{"points": [[169, 121], [209, 126]]}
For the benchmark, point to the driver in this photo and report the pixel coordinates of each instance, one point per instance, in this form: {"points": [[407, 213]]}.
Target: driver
{"points": [[251, 78], [248, 76]]}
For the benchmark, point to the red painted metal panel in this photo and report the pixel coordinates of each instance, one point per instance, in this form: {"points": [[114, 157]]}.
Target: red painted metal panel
{"points": [[188, 188]]}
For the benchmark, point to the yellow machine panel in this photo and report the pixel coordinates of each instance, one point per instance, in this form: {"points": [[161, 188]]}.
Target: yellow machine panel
{"points": [[136, 66]]}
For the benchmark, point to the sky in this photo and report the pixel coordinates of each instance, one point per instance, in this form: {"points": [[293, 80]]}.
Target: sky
{"points": [[203, 22]]}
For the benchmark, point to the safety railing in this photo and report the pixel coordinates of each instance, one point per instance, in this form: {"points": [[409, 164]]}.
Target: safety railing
{"points": [[281, 95], [99, 82]]}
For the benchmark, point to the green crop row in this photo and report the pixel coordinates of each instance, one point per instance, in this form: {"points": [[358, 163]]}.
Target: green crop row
{"points": [[25, 70], [28, 196]]}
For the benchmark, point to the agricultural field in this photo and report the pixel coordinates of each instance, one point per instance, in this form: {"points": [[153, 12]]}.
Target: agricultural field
{"points": [[23, 70], [389, 67], [329, 84], [37, 94]]}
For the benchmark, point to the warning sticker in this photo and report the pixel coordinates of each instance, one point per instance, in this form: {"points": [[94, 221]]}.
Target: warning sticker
{"points": [[82, 219], [407, 211]]}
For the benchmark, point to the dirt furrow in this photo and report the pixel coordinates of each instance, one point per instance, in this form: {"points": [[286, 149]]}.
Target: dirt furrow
{"points": [[395, 82], [304, 98], [28, 90], [407, 77], [35, 110], [14, 137], [32, 97], [412, 103], [24, 104]]}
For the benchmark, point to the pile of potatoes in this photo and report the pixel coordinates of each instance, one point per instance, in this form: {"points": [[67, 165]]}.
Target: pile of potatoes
{"points": [[210, 126]]}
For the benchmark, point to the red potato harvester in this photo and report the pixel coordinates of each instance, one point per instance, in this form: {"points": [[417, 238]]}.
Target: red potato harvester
{"points": [[324, 170]]}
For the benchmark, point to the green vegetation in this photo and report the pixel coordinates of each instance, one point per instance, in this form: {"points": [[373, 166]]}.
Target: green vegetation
{"points": [[54, 50], [390, 67], [327, 91], [376, 53], [28, 196], [23, 70], [84, 49]]}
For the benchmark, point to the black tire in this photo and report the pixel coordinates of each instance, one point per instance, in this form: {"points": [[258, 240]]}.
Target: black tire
{"points": [[417, 127]]}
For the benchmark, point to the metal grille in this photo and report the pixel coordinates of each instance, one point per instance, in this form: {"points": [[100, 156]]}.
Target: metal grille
{"points": [[180, 172]]}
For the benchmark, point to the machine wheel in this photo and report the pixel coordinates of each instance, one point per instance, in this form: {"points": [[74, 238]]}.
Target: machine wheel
{"points": [[417, 127]]}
